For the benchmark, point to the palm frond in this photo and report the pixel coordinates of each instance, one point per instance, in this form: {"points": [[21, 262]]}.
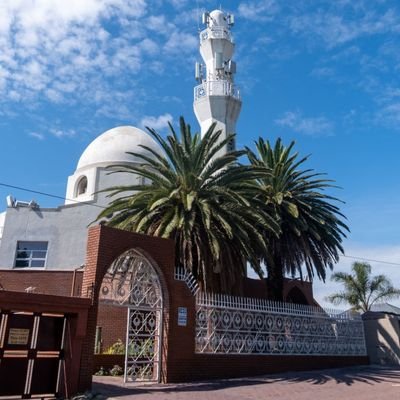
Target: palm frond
{"points": [[207, 202]]}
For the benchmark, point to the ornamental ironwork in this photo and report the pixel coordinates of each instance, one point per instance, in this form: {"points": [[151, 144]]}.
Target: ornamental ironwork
{"points": [[143, 345], [237, 325], [132, 281], [182, 274]]}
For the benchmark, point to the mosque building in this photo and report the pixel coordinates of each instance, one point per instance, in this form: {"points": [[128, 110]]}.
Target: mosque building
{"points": [[33, 238], [44, 249]]}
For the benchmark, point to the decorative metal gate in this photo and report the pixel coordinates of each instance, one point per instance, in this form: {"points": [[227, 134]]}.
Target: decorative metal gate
{"points": [[132, 281]]}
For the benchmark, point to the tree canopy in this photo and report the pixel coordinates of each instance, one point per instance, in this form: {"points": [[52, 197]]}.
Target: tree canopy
{"points": [[360, 289], [311, 226], [210, 206], [225, 216]]}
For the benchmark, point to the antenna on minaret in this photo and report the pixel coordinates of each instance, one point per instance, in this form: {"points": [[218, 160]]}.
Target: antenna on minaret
{"points": [[205, 17], [198, 72], [216, 98], [198, 15]]}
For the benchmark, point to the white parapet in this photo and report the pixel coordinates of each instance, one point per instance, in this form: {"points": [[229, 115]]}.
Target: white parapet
{"points": [[216, 88]]}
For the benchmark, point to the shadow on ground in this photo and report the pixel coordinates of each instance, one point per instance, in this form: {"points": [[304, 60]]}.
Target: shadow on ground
{"points": [[347, 376]]}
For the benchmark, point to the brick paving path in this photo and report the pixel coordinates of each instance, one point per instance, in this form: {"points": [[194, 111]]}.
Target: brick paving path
{"points": [[358, 383]]}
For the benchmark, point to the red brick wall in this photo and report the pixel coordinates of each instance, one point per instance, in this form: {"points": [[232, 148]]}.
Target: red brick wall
{"points": [[257, 288], [45, 282], [179, 361], [107, 361], [112, 321], [304, 287], [213, 366]]}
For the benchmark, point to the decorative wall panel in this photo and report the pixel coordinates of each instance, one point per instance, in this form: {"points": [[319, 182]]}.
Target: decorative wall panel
{"points": [[236, 325]]}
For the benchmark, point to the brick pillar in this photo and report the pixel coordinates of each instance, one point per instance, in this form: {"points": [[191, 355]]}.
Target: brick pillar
{"points": [[92, 278], [104, 246]]}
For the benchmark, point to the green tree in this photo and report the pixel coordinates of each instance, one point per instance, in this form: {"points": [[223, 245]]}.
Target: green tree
{"points": [[311, 226], [361, 290], [209, 205]]}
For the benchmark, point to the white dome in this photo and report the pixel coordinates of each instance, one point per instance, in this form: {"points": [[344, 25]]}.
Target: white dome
{"points": [[111, 147]]}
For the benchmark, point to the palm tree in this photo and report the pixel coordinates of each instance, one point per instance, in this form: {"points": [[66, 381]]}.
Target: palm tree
{"points": [[361, 290], [207, 204], [311, 226]]}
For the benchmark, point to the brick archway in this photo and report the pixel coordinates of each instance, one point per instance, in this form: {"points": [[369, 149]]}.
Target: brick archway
{"points": [[104, 246], [132, 283]]}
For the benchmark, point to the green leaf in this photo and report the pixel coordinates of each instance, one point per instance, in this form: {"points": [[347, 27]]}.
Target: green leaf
{"points": [[293, 210]]}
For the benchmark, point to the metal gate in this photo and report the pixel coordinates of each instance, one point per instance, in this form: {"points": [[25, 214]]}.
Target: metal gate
{"points": [[31, 354], [133, 282]]}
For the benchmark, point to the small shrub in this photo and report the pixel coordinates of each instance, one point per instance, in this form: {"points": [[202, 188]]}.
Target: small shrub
{"points": [[146, 348], [117, 348], [116, 370], [101, 372]]}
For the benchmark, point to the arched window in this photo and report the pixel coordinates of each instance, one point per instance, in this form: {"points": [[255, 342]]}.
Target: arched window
{"points": [[81, 187]]}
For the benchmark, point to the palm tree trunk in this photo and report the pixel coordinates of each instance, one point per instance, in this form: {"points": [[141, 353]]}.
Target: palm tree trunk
{"points": [[275, 280]]}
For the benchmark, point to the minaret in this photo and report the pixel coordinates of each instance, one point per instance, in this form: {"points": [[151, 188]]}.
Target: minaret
{"points": [[216, 99]]}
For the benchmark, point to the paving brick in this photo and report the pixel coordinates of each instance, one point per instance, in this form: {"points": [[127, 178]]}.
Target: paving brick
{"points": [[356, 383]]}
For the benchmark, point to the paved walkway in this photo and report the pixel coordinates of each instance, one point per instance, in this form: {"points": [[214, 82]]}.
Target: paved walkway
{"points": [[359, 383]]}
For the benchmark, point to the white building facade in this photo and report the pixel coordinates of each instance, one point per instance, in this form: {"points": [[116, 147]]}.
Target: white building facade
{"points": [[55, 238]]}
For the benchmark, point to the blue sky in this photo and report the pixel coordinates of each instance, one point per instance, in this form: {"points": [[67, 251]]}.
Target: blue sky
{"points": [[323, 73]]}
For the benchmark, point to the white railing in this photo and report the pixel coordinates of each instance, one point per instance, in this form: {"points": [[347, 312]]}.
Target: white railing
{"points": [[216, 88], [181, 274], [237, 325], [256, 304], [215, 33]]}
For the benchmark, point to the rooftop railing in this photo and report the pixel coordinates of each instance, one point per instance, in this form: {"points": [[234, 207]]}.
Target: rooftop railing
{"points": [[216, 88], [215, 33]]}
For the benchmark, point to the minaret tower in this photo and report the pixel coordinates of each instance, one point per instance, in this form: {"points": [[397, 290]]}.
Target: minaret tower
{"points": [[216, 99]]}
